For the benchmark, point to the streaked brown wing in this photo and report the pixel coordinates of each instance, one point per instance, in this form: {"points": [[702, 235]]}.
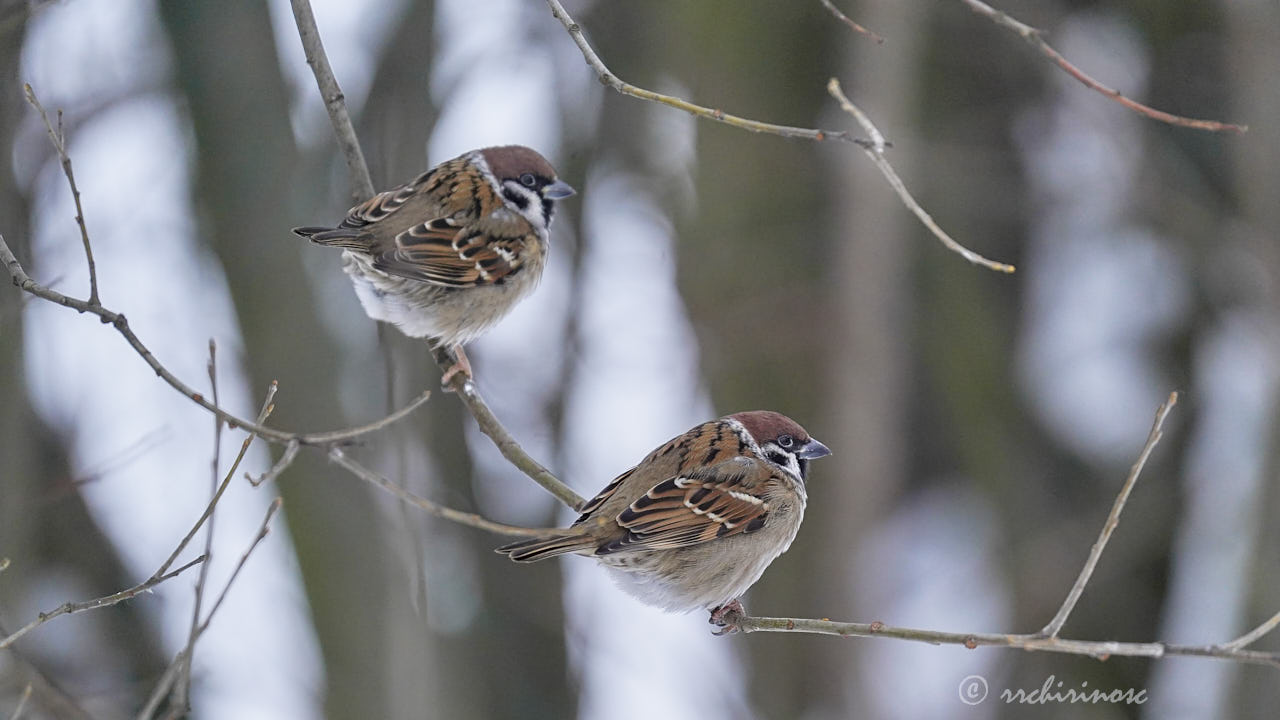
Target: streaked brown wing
{"points": [[384, 204], [441, 253], [696, 507]]}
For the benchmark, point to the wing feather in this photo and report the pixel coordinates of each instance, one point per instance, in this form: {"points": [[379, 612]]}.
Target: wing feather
{"points": [[696, 507]]}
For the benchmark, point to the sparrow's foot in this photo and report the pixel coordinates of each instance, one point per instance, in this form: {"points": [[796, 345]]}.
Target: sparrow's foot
{"points": [[461, 366], [726, 618]]}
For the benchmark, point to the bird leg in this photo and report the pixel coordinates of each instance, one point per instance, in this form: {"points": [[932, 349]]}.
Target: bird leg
{"points": [[461, 366], [727, 616]]}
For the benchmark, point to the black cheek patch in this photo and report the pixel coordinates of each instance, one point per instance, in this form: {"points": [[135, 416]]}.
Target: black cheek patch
{"points": [[515, 198]]}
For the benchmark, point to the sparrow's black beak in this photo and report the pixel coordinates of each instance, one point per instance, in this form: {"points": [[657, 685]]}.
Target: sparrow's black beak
{"points": [[558, 190], [812, 450]]}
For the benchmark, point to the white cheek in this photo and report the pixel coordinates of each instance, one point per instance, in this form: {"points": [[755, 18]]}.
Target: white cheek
{"points": [[532, 211]]}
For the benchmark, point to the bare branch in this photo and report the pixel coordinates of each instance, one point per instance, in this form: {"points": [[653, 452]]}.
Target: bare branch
{"points": [[852, 25], [22, 703], [161, 689], [1032, 642], [875, 151], [1253, 635], [1034, 38], [118, 321], [267, 407], [1113, 519], [290, 452], [334, 101], [183, 688], [181, 664], [244, 557], [59, 139], [72, 608], [608, 78], [440, 511], [501, 437], [1047, 640], [339, 436]]}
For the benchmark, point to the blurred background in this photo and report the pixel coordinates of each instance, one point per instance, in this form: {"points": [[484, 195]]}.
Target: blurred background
{"points": [[982, 423]]}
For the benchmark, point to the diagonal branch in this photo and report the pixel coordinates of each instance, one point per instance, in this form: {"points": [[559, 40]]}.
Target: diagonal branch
{"points": [[875, 150], [162, 573], [1253, 635], [1113, 519], [181, 664], [501, 437], [71, 608], [1033, 37], [440, 511], [59, 140], [334, 100], [608, 78], [118, 321], [22, 703], [849, 21]]}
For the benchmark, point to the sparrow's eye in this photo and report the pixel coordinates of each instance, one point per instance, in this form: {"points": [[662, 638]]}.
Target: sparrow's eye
{"points": [[786, 442], [528, 180]]}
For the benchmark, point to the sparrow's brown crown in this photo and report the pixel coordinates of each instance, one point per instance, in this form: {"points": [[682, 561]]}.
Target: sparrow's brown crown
{"points": [[766, 426], [509, 162]]}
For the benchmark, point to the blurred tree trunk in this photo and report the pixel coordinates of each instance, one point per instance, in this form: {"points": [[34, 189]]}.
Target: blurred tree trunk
{"points": [[246, 163], [868, 369]]}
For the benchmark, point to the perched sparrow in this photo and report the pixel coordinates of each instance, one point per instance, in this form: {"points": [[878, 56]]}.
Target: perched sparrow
{"points": [[699, 519], [449, 254]]}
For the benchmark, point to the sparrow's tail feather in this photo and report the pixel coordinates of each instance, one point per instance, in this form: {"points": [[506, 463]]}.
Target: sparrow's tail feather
{"points": [[336, 237], [541, 548]]}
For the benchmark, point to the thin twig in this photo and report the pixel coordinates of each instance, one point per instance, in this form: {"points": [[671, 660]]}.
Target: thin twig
{"points": [[22, 703], [334, 100], [339, 436], [181, 665], [440, 511], [1253, 635], [118, 321], [183, 688], [608, 78], [1113, 519], [161, 690], [59, 139], [1034, 38], [848, 21], [501, 437], [875, 150], [286, 459], [244, 557], [72, 608], [1031, 642], [267, 407]]}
